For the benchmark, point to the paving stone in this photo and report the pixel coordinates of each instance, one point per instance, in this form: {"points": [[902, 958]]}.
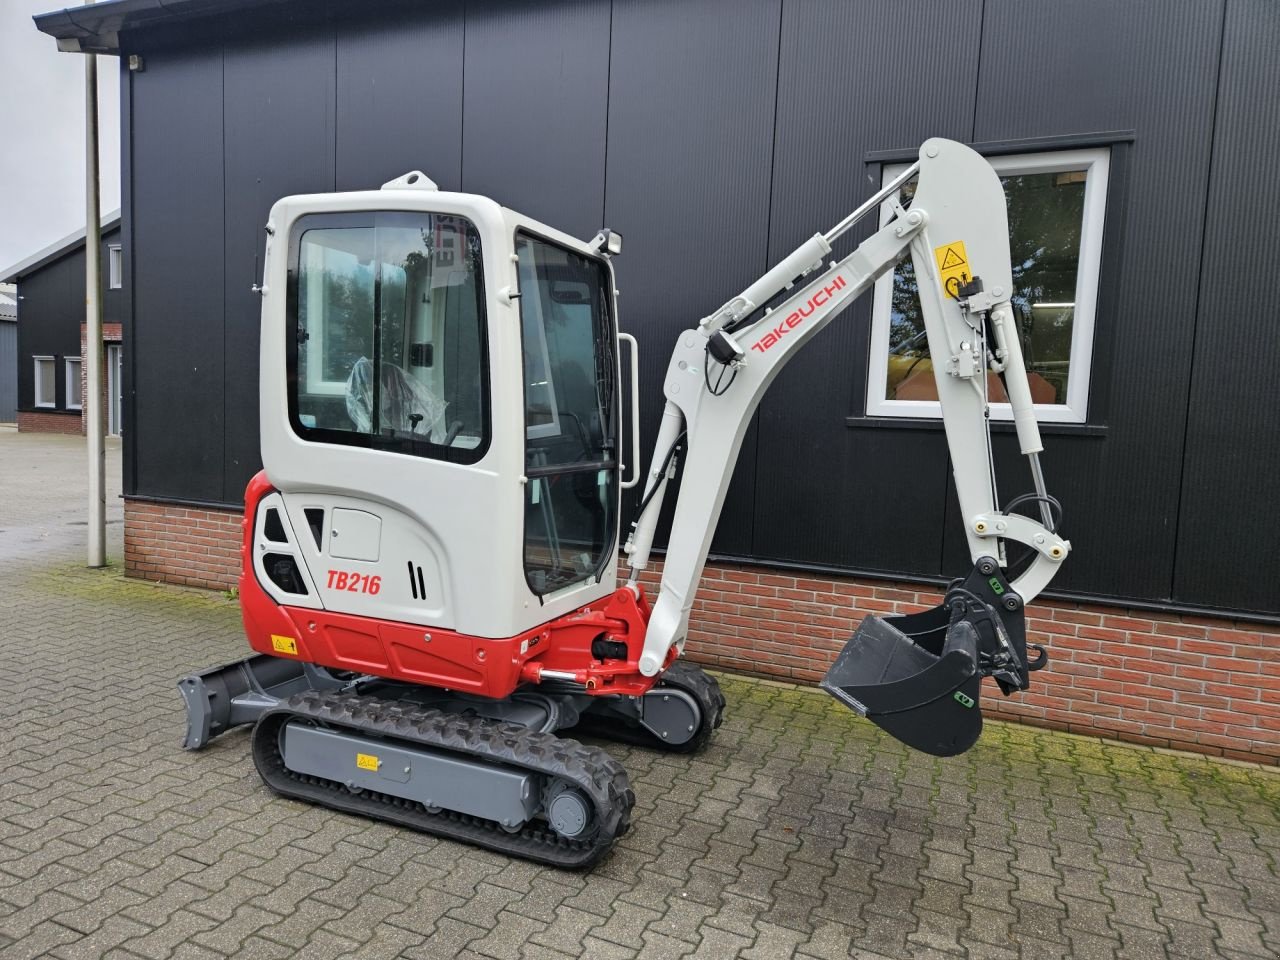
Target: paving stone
{"points": [[386, 941], [510, 933], [534, 951], [625, 925], [88, 917], [305, 921], [230, 935], [175, 931], [568, 930], [800, 831], [39, 941], [450, 938]]}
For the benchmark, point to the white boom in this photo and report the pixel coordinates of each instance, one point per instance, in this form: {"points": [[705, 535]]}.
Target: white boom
{"points": [[955, 230]]}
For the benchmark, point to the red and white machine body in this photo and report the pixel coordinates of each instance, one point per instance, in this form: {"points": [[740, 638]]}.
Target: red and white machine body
{"points": [[415, 567]]}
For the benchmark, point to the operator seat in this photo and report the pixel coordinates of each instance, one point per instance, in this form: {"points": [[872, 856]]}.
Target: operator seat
{"points": [[407, 405]]}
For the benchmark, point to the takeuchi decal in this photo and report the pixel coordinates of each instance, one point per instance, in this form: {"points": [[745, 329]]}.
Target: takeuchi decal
{"points": [[796, 318]]}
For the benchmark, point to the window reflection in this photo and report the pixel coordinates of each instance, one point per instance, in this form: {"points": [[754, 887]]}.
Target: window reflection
{"points": [[388, 339], [570, 414], [1046, 214]]}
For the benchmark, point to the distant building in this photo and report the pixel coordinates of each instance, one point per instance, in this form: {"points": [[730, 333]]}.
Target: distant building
{"points": [[49, 377], [8, 353]]}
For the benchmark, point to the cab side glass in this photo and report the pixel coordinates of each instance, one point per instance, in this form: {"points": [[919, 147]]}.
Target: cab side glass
{"points": [[387, 335]]}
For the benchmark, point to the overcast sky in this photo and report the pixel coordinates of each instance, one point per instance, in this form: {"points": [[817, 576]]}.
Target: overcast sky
{"points": [[42, 133]]}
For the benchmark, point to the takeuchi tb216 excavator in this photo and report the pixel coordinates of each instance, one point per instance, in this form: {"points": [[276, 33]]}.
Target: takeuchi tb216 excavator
{"points": [[430, 559]]}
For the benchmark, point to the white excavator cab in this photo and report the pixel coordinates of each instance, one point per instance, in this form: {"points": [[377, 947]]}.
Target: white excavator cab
{"points": [[440, 410]]}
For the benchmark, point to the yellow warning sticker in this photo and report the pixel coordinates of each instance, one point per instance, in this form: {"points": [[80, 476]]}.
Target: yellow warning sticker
{"points": [[367, 761], [953, 267], [284, 644]]}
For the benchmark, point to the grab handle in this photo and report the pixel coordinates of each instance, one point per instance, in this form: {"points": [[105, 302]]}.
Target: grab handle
{"points": [[635, 412]]}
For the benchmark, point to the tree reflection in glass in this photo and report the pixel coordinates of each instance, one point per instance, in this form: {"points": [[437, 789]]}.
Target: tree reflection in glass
{"points": [[1046, 211]]}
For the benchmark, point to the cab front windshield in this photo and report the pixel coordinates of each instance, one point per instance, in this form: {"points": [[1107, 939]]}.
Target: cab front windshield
{"points": [[570, 415]]}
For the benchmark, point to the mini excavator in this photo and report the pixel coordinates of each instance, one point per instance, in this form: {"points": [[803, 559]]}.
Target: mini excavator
{"points": [[430, 575]]}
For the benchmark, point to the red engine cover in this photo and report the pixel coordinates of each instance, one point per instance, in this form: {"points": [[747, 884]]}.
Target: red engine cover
{"points": [[442, 658]]}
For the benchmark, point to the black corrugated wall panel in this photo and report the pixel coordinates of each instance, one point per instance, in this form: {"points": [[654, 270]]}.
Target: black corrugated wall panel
{"points": [[128, 461], [1051, 69], [50, 308], [692, 92], [8, 371], [716, 135], [1229, 524], [176, 337], [278, 140], [399, 97], [827, 493], [535, 109]]}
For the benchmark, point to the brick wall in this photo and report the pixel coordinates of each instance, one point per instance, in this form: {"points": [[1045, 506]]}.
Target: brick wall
{"points": [[111, 334], [186, 545], [1191, 683], [51, 421]]}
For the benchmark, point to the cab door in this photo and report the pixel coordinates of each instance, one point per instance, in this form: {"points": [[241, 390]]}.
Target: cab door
{"points": [[569, 338]]}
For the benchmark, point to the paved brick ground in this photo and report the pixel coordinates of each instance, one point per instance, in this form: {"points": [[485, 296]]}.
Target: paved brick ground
{"points": [[43, 490], [800, 832]]}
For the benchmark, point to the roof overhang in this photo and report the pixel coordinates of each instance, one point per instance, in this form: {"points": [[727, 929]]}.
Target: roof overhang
{"points": [[56, 250], [96, 27]]}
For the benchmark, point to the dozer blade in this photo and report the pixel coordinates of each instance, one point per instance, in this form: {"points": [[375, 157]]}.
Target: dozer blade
{"points": [[918, 677], [928, 702], [224, 697]]}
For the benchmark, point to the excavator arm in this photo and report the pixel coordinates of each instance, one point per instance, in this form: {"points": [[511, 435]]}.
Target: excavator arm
{"points": [[956, 232]]}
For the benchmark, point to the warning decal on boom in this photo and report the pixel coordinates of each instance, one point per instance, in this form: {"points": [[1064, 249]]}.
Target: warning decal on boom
{"points": [[953, 267]]}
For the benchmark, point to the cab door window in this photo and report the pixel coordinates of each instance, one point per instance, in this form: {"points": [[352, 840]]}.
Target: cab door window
{"points": [[571, 417]]}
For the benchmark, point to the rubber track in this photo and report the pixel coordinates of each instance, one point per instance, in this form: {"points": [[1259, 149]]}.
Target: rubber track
{"points": [[681, 675], [601, 778]]}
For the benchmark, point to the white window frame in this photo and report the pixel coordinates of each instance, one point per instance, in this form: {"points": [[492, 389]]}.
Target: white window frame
{"points": [[1096, 161], [115, 267], [40, 382], [72, 387]]}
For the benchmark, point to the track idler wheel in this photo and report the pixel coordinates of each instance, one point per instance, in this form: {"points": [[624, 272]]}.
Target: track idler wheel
{"points": [[567, 810], [678, 715]]}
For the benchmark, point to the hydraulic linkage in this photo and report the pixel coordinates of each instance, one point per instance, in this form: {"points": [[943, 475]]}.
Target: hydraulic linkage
{"points": [[908, 674]]}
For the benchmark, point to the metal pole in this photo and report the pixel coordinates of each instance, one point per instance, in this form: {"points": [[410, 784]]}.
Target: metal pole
{"points": [[92, 361]]}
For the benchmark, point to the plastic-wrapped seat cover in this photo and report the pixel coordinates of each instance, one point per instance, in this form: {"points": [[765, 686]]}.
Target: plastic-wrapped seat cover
{"points": [[401, 398]]}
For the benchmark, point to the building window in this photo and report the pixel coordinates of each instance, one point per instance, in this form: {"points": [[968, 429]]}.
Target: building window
{"points": [[73, 383], [115, 267], [46, 388], [1057, 203]]}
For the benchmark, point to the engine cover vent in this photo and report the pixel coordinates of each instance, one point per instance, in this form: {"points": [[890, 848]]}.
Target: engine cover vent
{"points": [[417, 585]]}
